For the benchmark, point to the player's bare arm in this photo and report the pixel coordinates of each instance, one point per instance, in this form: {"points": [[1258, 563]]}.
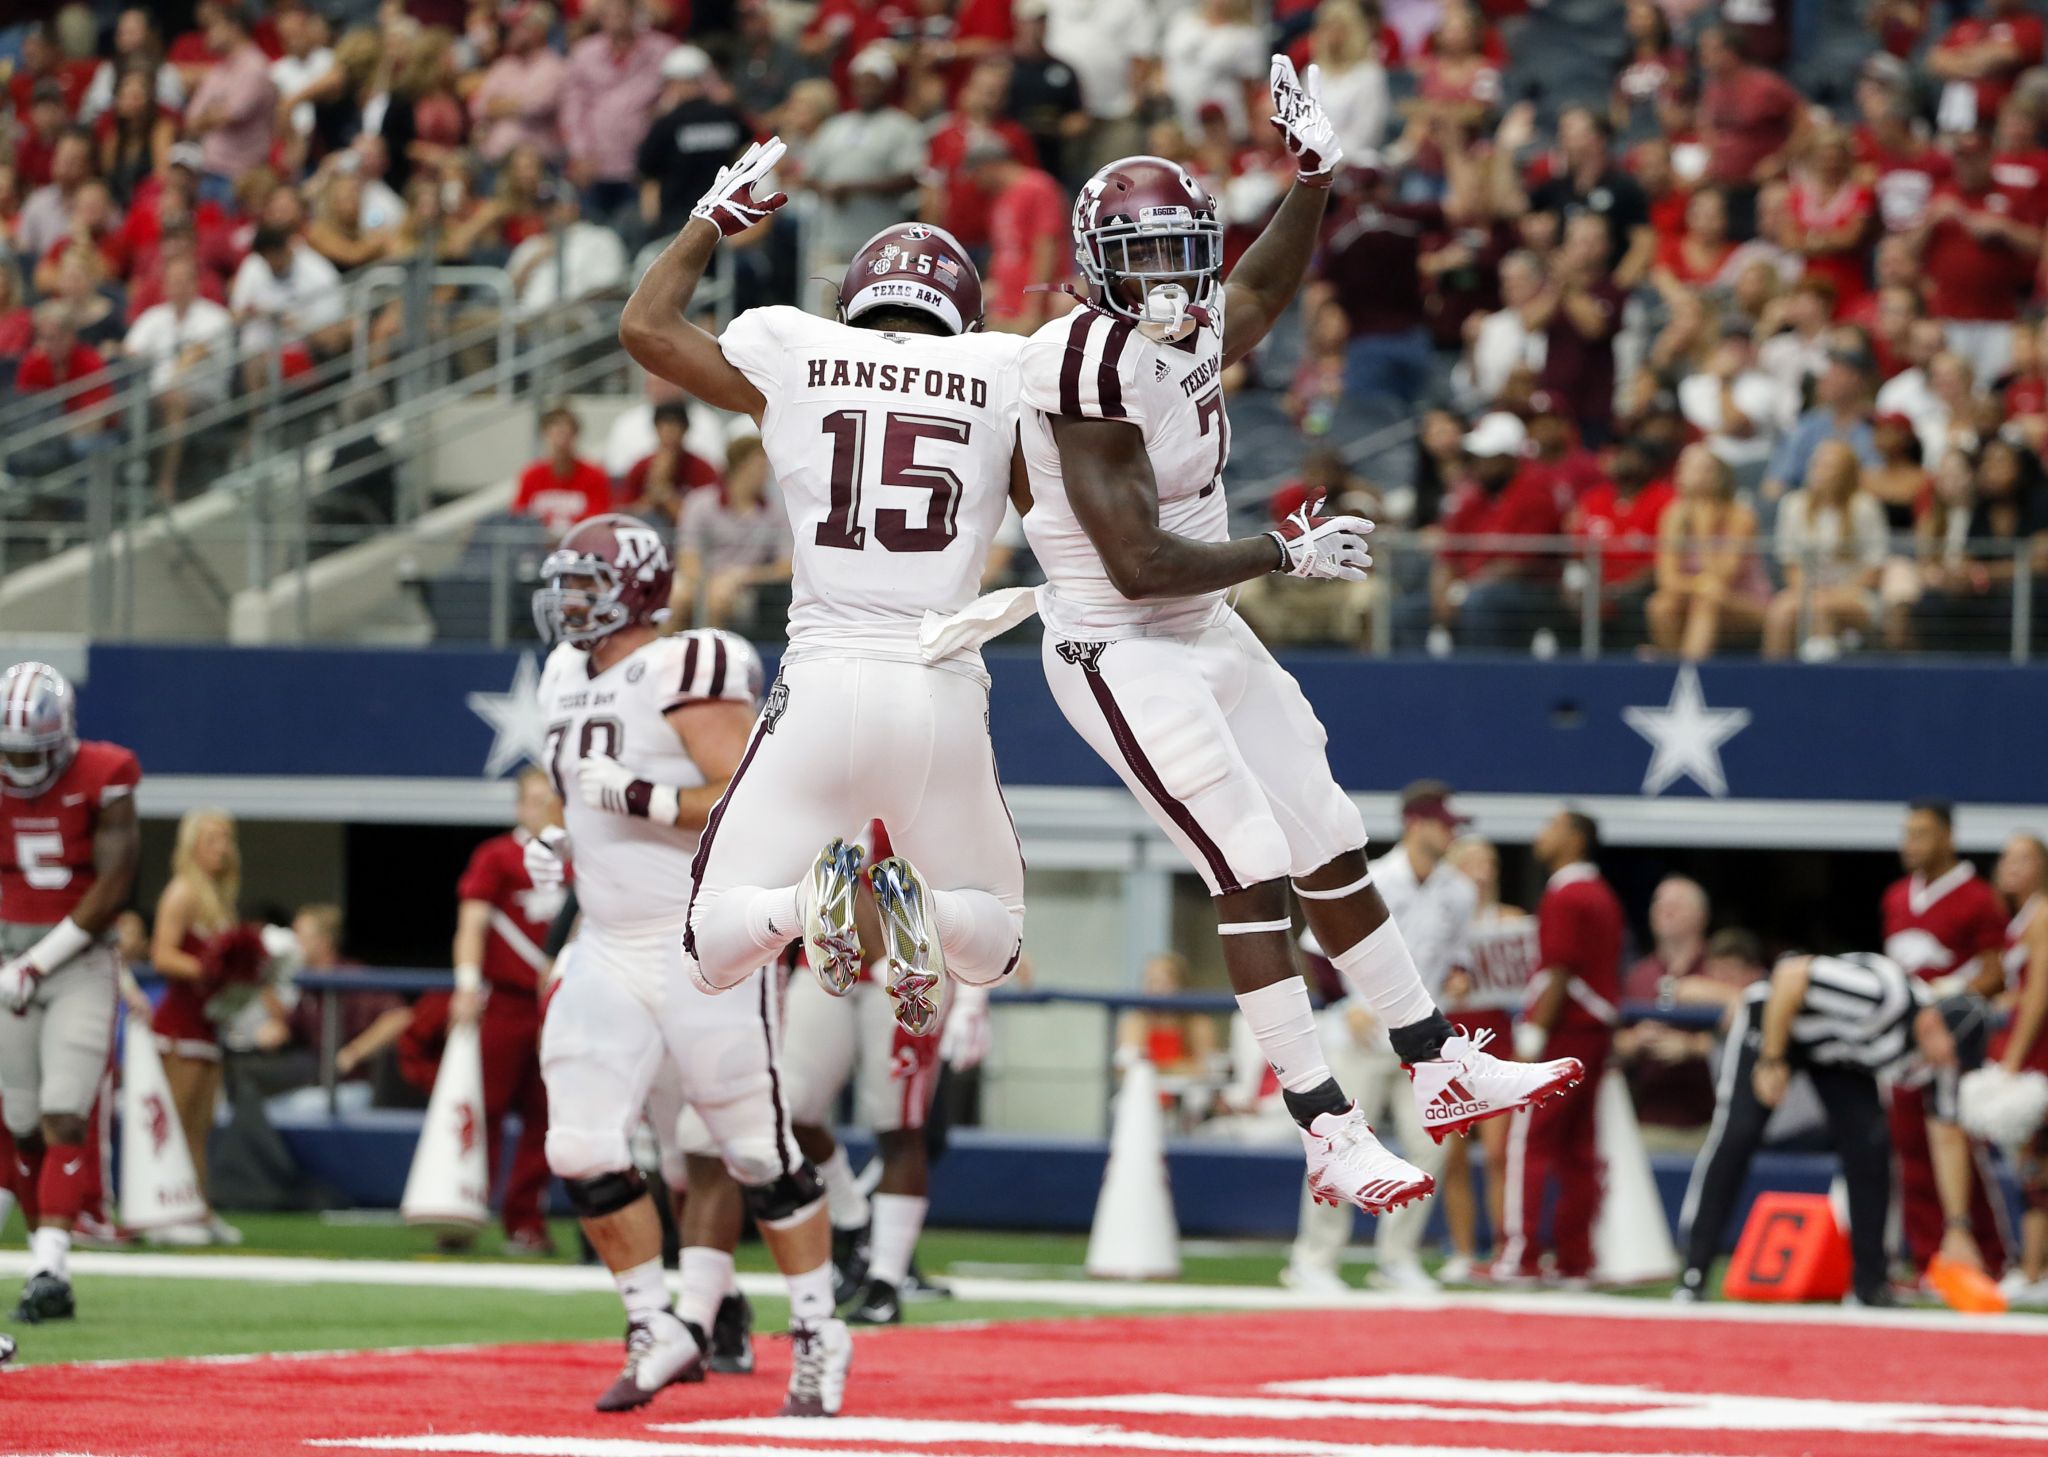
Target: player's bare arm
{"points": [[714, 735], [472, 929], [656, 328], [1270, 273], [173, 920], [116, 852]]}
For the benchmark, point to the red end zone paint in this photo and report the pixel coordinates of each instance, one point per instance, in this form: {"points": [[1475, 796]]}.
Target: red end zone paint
{"points": [[1316, 1384]]}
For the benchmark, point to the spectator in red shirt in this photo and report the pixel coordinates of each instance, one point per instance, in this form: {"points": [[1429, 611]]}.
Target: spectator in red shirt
{"points": [[1696, 257], [57, 359], [1834, 215], [42, 63], [1622, 514], [953, 195], [1749, 121], [1028, 225], [560, 489], [35, 145], [1491, 597], [17, 324], [1980, 59], [654, 486], [1893, 153], [1573, 1013], [501, 925], [1979, 247]]}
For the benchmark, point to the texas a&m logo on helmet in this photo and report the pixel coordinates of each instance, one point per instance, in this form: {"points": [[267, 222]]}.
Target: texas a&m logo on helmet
{"points": [[914, 266], [610, 572]]}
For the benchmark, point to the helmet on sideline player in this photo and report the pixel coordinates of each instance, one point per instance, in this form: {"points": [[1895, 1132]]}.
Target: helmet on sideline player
{"points": [[610, 572], [918, 267], [38, 728], [1148, 222]]}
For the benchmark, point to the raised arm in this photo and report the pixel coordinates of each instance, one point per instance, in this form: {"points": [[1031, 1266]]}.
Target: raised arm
{"points": [[655, 327], [1270, 273], [1115, 497]]}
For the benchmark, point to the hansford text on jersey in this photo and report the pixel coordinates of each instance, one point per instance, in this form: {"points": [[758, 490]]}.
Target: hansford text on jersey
{"points": [[908, 379]]}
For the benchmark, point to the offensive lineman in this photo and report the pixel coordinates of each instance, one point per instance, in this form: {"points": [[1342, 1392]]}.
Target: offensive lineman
{"points": [[69, 844], [1125, 438], [892, 434], [643, 733]]}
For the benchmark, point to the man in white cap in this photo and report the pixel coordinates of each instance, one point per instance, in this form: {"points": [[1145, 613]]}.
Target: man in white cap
{"points": [[693, 136], [861, 166]]}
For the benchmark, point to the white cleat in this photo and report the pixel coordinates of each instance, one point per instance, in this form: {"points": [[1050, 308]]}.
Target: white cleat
{"points": [[1318, 1280], [818, 1367], [1406, 1277], [911, 951], [1464, 1084], [831, 940], [1347, 1164], [660, 1351]]}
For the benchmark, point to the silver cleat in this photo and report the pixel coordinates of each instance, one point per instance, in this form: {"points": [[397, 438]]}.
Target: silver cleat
{"points": [[831, 939], [910, 943]]}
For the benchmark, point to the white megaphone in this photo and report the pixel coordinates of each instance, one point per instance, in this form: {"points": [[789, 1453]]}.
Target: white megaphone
{"points": [[1632, 1237], [159, 1187], [450, 1182], [1135, 1236]]}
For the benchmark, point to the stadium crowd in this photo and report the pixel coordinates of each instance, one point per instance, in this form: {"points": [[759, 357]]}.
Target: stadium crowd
{"points": [[1759, 368]]}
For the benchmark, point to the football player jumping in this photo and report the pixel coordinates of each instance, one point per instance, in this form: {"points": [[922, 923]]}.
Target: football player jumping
{"points": [[643, 732], [69, 844], [892, 433], [1125, 436]]}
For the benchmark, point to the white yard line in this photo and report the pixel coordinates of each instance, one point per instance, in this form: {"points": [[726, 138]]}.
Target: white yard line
{"points": [[1081, 1294]]}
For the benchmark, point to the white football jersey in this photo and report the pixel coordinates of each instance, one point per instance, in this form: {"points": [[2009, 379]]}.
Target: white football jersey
{"points": [[633, 875], [1092, 365], [892, 453], [1435, 916]]}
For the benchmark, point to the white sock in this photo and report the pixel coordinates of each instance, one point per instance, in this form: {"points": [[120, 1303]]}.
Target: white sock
{"points": [[707, 1276], [1382, 973], [979, 934], [742, 928], [845, 1204], [50, 1251], [899, 1220], [644, 1288], [6, 1207], [810, 1296], [1285, 1025]]}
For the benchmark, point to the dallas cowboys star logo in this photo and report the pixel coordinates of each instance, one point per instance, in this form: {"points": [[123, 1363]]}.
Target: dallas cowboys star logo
{"points": [[1685, 737], [519, 732]]}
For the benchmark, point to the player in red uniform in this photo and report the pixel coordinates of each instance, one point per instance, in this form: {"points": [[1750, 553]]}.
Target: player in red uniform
{"points": [[69, 844], [1945, 925], [2022, 1044], [1572, 1013], [499, 930]]}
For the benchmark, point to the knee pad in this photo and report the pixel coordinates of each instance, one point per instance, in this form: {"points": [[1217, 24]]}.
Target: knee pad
{"points": [[1187, 751], [1257, 850], [605, 1194], [580, 1153], [784, 1200]]}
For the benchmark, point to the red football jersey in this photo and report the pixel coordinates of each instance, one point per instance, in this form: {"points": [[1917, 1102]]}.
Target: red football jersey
{"points": [[2016, 979], [520, 914], [46, 842], [1935, 927], [1579, 929]]}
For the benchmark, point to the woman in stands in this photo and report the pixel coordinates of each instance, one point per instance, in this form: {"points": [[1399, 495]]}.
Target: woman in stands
{"points": [[1831, 547], [195, 909], [1710, 577]]}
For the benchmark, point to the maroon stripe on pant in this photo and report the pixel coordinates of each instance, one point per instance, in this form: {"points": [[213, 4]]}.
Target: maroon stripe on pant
{"points": [[774, 1078], [1142, 770], [1070, 367], [1106, 384], [717, 817]]}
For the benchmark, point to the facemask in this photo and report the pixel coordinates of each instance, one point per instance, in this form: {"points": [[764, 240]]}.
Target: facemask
{"points": [[1165, 316], [25, 777]]}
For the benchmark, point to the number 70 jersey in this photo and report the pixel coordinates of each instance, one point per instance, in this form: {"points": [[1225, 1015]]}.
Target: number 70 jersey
{"points": [[1091, 365], [892, 453]]}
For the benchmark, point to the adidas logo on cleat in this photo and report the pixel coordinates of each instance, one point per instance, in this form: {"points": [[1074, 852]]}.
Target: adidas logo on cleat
{"points": [[1455, 1101]]}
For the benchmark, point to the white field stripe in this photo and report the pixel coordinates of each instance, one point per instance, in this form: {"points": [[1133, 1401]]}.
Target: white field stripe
{"points": [[1757, 1414], [1080, 1294], [487, 1444], [1076, 1437], [507, 1444]]}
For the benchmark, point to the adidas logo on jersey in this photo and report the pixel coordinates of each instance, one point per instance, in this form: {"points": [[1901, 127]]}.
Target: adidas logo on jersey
{"points": [[1455, 1101], [1159, 370]]}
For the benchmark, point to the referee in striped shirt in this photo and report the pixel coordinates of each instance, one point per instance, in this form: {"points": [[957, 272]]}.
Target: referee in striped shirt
{"points": [[1846, 1022]]}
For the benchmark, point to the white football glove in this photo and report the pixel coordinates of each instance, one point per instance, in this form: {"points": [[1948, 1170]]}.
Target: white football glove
{"points": [[547, 858], [608, 785], [968, 1034], [18, 981], [1324, 546], [730, 205], [1299, 115]]}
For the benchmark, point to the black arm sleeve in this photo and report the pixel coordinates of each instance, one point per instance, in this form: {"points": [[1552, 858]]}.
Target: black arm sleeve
{"points": [[564, 923]]}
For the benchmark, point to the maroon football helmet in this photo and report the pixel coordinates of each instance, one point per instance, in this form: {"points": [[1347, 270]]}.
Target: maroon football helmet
{"points": [[913, 266], [1151, 220], [609, 573]]}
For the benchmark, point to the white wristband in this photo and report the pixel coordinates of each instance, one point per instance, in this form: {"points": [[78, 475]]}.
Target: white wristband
{"points": [[664, 804], [469, 978], [59, 944]]}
